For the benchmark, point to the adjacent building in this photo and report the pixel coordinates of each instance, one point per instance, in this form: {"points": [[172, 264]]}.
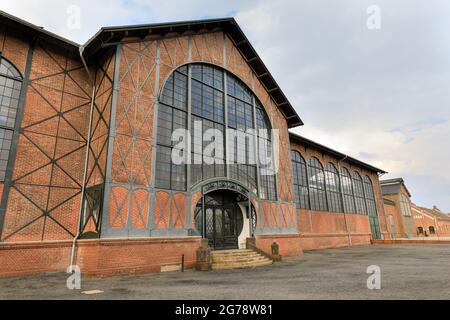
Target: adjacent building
{"points": [[397, 204], [85, 161], [407, 220], [430, 222]]}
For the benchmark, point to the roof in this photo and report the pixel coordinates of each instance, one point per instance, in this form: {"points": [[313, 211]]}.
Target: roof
{"points": [[112, 35], [29, 29], [108, 36], [318, 146], [435, 212], [393, 186]]}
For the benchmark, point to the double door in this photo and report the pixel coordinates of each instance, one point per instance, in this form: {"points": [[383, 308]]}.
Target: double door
{"points": [[222, 227]]}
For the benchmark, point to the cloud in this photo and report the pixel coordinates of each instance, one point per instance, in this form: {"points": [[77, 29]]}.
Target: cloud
{"points": [[381, 96]]}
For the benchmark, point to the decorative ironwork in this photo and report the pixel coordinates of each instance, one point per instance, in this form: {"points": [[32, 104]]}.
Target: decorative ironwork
{"points": [[96, 175], [92, 209], [225, 185], [223, 225]]}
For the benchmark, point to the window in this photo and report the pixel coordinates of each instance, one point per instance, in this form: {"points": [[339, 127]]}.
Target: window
{"points": [[172, 115], [370, 197], [300, 181], [218, 101], [432, 230], [316, 182], [347, 191], [358, 190], [10, 86], [333, 188], [404, 204], [420, 230], [264, 141], [241, 118]]}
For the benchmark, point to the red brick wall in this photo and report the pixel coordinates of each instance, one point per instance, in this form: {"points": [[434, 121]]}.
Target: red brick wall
{"points": [[290, 245], [420, 220], [44, 202], [104, 77], [98, 257], [442, 227], [400, 223], [327, 229], [34, 258], [112, 257], [391, 210], [207, 47], [320, 230]]}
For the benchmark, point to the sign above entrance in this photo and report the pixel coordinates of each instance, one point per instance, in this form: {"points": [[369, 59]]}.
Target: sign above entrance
{"points": [[224, 185]]}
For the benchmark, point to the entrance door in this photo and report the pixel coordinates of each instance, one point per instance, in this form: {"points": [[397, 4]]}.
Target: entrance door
{"points": [[222, 217], [375, 227], [222, 227], [393, 228]]}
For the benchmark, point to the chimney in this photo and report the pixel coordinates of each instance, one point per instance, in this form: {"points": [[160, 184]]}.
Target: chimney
{"points": [[435, 208]]}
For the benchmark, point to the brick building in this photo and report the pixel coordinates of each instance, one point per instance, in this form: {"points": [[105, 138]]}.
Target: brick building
{"points": [[397, 206], [85, 162], [430, 222]]}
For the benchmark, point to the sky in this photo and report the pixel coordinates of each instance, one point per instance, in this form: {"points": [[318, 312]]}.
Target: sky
{"points": [[380, 95]]}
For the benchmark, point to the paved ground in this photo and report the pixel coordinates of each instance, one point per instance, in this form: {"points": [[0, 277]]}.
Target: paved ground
{"points": [[408, 272]]}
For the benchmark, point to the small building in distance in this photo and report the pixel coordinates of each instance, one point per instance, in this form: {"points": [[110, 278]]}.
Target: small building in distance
{"points": [[430, 222], [397, 206]]}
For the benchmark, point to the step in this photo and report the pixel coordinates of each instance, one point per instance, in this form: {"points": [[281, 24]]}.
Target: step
{"points": [[233, 256], [236, 254], [242, 259], [232, 252], [241, 265], [238, 259]]}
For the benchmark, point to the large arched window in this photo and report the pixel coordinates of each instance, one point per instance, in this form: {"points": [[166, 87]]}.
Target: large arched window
{"points": [[300, 182], [10, 86], [333, 188], [172, 115], [213, 99], [370, 197], [264, 140], [358, 189], [347, 191], [316, 182], [404, 204], [240, 117]]}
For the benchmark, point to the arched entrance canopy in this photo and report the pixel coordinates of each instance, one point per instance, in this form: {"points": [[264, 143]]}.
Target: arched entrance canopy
{"points": [[225, 214]]}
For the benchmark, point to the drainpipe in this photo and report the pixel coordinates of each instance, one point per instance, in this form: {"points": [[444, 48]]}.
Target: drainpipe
{"points": [[88, 144], [342, 199]]}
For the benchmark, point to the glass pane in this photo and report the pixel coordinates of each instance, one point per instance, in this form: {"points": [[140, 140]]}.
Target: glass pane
{"points": [[209, 215], [219, 218]]}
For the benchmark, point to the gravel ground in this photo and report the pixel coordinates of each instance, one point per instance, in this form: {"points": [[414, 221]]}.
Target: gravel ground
{"points": [[407, 272]]}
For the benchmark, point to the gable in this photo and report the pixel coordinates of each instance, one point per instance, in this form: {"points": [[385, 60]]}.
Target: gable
{"points": [[242, 59]]}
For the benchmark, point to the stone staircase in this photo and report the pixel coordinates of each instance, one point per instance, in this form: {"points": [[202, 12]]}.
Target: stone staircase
{"points": [[238, 259]]}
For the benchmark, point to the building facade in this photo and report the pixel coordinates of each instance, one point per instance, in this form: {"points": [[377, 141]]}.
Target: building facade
{"points": [[431, 223], [397, 203], [338, 198], [87, 175]]}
